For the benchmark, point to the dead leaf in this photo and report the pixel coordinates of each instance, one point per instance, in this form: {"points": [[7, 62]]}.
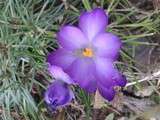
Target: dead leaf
{"points": [[137, 106], [99, 102], [145, 91], [110, 117], [152, 113]]}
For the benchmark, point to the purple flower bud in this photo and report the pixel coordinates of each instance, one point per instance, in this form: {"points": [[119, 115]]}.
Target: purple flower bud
{"points": [[58, 94]]}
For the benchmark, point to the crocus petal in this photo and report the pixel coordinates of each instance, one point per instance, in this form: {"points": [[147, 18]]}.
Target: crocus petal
{"points": [[61, 58], [107, 93], [105, 71], [59, 74], [119, 78], [93, 22], [71, 38], [107, 74], [82, 71], [107, 45], [58, 94]]}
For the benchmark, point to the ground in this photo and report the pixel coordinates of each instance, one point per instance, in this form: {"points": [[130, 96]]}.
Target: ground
{"points": [[28, 33]]}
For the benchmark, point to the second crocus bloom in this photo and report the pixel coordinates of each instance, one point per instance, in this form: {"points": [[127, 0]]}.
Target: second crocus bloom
{"points": [[58, 93]]}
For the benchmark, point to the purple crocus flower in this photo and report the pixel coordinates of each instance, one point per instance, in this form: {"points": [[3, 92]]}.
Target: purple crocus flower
{"points": [[58, 93], [87, 54]]}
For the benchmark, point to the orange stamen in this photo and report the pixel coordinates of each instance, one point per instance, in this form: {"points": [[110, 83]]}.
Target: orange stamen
{"points": [[87, 52]]}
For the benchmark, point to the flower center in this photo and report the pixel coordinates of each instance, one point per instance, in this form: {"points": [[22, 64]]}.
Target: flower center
{"points": [[87, 52]]}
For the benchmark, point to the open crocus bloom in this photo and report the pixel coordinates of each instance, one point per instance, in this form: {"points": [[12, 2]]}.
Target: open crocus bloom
{"points": [[58, 93], [87, 54]]}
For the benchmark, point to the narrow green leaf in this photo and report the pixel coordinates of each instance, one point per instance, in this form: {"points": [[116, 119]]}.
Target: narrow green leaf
{"points": [[86, 5]]}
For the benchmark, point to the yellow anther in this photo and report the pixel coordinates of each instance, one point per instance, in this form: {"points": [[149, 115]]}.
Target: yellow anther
{"points": [[87, 52]]}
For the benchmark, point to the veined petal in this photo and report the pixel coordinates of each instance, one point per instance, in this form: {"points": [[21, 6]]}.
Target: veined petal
{"points": [[59, 74], [61, 58], [107, 45], [105, 71], [82, 71], [93, 22], [107, 93], [58, 94], [107, 74], [71, 38]]}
